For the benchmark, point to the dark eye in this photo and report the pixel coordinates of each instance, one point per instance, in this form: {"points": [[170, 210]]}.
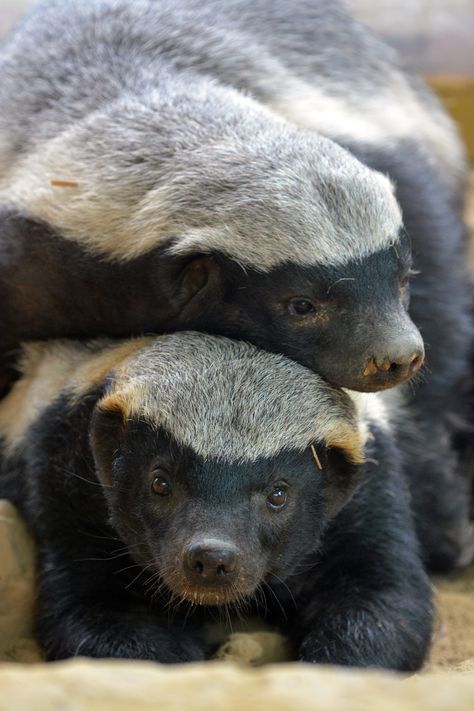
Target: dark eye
{"points": [[161, 486], [278, 497], [301, 307]]}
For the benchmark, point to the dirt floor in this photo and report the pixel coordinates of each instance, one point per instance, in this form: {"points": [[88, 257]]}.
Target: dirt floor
{"points": [[249, 678]]}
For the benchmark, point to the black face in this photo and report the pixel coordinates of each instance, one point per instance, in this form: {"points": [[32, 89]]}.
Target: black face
{"points": [[212, 532], [349, 324]]}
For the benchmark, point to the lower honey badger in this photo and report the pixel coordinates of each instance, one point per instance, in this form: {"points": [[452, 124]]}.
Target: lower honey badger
{"points": [[165, 477]]}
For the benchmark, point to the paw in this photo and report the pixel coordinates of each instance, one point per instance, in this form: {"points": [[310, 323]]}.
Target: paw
{"points": [[131, 636], [149, 639], [321, 650], [338, 653], [374, 644], [178, 648]]}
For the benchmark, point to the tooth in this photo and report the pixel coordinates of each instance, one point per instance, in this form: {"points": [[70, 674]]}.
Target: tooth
{"points": [[370, 368]]}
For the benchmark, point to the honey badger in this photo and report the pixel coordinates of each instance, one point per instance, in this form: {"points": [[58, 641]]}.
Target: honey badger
{"points": [[197, 471], [191, 200], [223, 167]]}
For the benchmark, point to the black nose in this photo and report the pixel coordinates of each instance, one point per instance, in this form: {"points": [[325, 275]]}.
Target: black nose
{"points": [[397, 362], [214, 562]]}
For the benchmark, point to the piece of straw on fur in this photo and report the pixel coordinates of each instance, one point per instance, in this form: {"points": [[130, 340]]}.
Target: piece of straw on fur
{"points": [[63, 183], [315, 455]]}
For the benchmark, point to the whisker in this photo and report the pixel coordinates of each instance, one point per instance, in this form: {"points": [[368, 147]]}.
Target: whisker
{"points": [[282, 582], [275, 596], [110, 557]]}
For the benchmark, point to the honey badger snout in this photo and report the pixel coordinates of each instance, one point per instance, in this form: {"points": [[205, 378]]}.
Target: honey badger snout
{"points": [[211, 562], [395, 358], [379, 350]]}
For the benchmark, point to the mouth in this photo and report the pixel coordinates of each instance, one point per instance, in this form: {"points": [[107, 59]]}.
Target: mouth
{"points": [[208, 595], [376, 382], [384, 381]]}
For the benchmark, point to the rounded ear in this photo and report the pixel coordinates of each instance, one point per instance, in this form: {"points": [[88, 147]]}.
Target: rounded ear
{"points": [[107, 430], [199, 275], [343, 478], [349, 437]]}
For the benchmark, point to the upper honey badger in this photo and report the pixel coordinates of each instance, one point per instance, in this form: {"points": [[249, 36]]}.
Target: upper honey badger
{"points": [[141, 194], [164, 478], [222, 166]]}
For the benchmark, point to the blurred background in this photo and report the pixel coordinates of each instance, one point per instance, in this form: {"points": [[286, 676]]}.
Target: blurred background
{"points": [[435, 37]]}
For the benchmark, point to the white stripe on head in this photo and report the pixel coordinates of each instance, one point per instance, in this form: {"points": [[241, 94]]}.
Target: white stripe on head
{"points": [[222, 398], [227, 400], [390, 114], [286, 195]]}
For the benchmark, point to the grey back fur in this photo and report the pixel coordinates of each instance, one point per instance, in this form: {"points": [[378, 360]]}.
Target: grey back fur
{"points": [[177, 121]]}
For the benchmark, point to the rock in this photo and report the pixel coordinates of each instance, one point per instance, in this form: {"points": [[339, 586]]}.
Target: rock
{"points": [[141, 686], [254, 648], [17, 588]]}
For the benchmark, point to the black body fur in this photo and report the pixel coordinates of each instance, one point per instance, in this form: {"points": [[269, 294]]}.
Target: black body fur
{"points": [[80, 296], [339, 568], [440, 305]]}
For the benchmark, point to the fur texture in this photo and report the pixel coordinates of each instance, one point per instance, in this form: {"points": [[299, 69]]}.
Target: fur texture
{"points": [[130, 519], [288, 59], [153, 170]]}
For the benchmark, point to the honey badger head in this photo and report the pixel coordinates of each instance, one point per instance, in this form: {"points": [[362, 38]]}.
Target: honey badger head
{"points": [[311, 261], [203, 446], [254, 229]]}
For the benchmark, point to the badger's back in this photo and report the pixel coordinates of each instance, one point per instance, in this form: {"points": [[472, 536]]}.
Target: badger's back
{"points": [[306, 61], [48, 370]]}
